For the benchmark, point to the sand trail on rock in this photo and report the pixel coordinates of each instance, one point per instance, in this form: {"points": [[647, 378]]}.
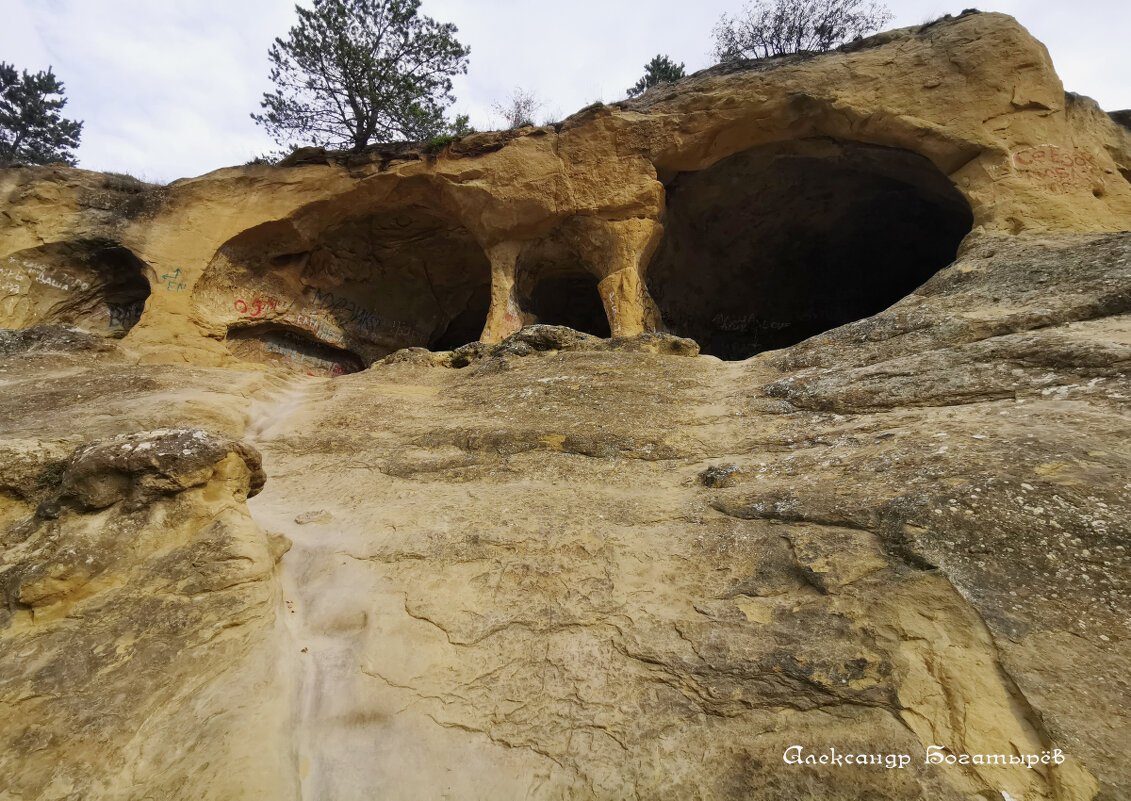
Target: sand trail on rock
{"points": [[269, 415], [354, 738]]}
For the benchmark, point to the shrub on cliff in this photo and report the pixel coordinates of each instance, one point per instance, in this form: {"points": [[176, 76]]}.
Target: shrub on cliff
{"points": [[776, 27], [356, 71], [32, 131], [518, 110]]}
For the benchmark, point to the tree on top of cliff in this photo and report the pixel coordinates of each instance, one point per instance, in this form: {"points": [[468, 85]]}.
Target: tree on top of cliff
{"points": [[31, 129], [660, 69], [775, 27], [356, 71]]}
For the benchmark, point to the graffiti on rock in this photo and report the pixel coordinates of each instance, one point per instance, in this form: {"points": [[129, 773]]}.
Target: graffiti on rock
{"points": [[327, 331], [1059, 169], [350, 312], [125, 315], [172, 282], [749, 322], [296, 351], [40, 276], [255, 307]]}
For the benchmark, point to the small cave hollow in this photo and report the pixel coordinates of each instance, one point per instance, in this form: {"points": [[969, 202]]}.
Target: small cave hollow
{"points": [[570, 299], [465, 325], [291, 348], [95, 284], [361, 286], [775, 244], [554, 285]]}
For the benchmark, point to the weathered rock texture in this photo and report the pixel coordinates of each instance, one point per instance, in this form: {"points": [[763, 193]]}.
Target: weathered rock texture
{"points": [[623, 219], [138, 607], [552, 565]]}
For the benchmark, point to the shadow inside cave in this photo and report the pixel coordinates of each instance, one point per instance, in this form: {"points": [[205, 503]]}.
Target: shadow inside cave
{"points": [[780, 242]]}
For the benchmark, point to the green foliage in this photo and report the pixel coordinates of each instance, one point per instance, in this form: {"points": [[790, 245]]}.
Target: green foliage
{"points": [[459, 128], [462, 126], [31, 129], [356, 71], [660, 69], [438, 143], [776, 27]]}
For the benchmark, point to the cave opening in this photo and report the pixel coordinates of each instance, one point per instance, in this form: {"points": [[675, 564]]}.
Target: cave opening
{"points": [[125, 284], [358, 288], [465, 325], [95, 284], [292, 348], [780, 242], [401, 277], [569, 299], [556, 280]]}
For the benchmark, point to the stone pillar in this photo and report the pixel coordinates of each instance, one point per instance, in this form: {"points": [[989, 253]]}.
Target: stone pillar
{"points": [[504, 316], [628, 305]]}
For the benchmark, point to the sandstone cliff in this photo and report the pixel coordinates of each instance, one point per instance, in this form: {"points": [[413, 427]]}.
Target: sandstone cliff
{"points": [[299, 501], [618, 220]]}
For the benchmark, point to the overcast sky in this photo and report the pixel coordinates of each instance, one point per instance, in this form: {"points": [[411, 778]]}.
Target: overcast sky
{"points": [[165, 88]]}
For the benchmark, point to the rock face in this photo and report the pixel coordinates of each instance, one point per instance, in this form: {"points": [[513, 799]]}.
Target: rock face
{"points": [[138, 604], [748, 206], [477, 554]]}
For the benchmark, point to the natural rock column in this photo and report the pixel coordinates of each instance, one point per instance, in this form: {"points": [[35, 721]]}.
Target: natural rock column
{"points": [[504, 316], [627, 302]]}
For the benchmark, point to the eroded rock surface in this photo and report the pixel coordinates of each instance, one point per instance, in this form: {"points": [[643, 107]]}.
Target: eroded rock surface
{"points": [[97, 285], [748, 206], [591, 571], [137, 622], [494, 529], [541, 339]]}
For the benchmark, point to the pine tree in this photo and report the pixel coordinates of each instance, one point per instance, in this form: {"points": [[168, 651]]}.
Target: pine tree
{"points": [[356, 71], [660, 69], [32, 131]]}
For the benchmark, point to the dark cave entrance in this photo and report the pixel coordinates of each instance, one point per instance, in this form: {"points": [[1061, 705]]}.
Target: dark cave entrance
{"points": [[402, 277], [357, 289], [556, 280], [467, 324], [125, 286], [291, 348], [95, 284], [780, 242], [569, 299]]}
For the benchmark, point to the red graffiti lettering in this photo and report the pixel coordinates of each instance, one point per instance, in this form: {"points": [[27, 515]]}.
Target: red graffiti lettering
{"points": [[256, 307], [1059, 169]]}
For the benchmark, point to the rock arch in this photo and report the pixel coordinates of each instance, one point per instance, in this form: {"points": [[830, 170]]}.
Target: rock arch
{"points": [[557, 279]]}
